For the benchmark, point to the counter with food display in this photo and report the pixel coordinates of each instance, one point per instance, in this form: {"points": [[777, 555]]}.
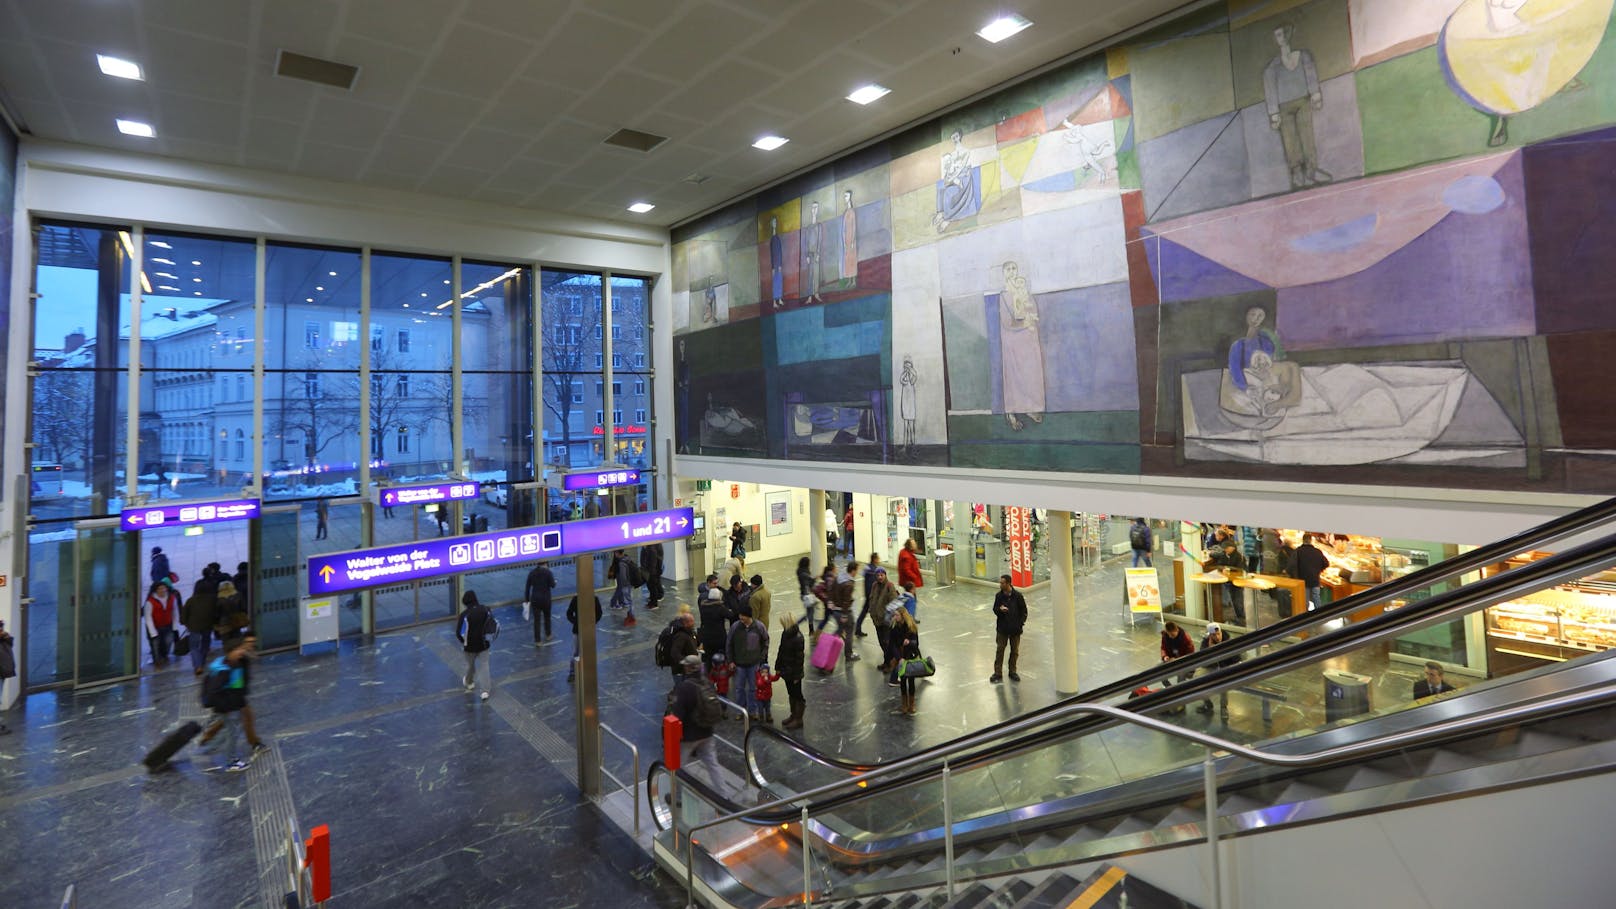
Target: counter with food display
{"points": [[1552, 626]]}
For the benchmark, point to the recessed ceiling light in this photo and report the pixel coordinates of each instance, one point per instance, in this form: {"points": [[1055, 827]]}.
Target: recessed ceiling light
{"points": [[159, 244], [445, 280], [136, 128], [117, 66], [164, 274], [423, 293], [197, 292], [168, 287], [640, 208], [196, 261], [308, 299], [770, 143], [317, 287], [1003, 27], [864, 94], [164, 261], [332, 273]]}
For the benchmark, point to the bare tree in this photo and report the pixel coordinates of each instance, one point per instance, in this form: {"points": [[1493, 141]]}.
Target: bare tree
{"points": [[316, 405], [63, 403], [569, 315]]}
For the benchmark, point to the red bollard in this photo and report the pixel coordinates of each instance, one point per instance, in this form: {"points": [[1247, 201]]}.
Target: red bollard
{"points": [[673, 732], [317, 849]]}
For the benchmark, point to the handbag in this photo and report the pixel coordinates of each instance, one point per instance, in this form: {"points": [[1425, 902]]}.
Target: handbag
{"points": [[527, 611], [182, 645], [918, 668]]}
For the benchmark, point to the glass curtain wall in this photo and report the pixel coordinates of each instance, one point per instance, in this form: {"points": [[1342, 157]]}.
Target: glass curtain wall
{"points": [[78, 419], [573, 376], [631, 379]]}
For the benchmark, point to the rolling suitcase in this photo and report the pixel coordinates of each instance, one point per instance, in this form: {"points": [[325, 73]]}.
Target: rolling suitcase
{"points": [[827, 651], [158, 757]]}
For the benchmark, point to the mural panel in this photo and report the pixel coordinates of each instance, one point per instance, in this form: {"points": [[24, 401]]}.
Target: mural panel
{"points": [[1367, 236]]}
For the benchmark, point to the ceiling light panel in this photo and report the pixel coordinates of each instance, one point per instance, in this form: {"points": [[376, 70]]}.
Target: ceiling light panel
{"points": [[640, 208], [770, 143], [1003, 27], [136, 128], [865, 94], [120, 68]]}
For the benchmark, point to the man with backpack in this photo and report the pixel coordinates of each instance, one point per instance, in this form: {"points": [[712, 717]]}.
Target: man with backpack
{"points": [[695, 702], [476, 631], [1139, 540], [748, 646], [624, 572], [676, 642], [540, 581], [224, 691]]}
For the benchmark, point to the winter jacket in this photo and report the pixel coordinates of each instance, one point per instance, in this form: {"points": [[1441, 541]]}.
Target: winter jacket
{"points": [[909, 569], [572, 613], [788, 660], [1013, 617], [474, 628], [748, 644], [1174, 647]]}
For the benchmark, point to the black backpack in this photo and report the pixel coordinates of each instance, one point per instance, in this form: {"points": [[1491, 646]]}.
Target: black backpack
{"points": [[636, 577], [1138, 537], [664, 645], [216, 685], [709, 709]]}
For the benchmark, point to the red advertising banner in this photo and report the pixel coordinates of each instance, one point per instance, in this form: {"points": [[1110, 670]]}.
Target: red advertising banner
{"points": [[1018, 533]]}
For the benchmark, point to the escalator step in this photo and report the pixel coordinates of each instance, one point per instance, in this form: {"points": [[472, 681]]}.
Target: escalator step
{"points": [[1009, 894], [975, 895], [1299, 791], [1055, 891], [1130, 824], [1369, 778], [1509, 744], [1183, 814], [1240, 803], [1445, 760]]}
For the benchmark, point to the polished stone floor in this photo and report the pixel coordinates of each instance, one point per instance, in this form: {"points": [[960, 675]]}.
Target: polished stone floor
{"points": [[436, 798]]}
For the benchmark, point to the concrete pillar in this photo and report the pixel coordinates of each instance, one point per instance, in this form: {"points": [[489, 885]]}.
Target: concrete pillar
{"points": [[816, 531], [585, 693], [1063, 601]]}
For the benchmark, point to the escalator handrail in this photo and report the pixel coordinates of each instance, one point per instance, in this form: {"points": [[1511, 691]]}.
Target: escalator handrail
{"points": [[1578, 562], [1559, 528]]}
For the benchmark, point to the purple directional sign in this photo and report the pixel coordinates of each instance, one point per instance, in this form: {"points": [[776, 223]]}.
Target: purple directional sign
{"points": [[361, 568], [598, 479], [187, 513], [426, 493]]}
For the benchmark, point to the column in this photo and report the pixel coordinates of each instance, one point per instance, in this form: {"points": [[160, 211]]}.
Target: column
{"points": [[585, 693], [816, 531], [1063, 601]]}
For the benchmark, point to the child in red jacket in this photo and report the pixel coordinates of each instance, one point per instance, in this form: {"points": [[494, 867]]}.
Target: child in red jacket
{"points": [[719, 674], [765, 691]]}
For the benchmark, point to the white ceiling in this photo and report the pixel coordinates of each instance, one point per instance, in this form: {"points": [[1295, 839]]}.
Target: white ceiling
{"points": [[508, 100]]}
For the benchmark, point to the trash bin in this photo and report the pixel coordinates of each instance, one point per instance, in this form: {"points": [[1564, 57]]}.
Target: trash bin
{"points": [[1346, 694], [944, 567]]}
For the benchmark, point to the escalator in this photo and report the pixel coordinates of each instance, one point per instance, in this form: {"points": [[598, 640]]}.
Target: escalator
{"points": [[1098, 778]]}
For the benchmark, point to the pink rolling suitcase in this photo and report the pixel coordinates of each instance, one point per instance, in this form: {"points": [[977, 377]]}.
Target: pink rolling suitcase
{"points": [[827, 652]]}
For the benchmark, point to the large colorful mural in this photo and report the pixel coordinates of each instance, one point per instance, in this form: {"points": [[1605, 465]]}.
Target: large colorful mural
{"points": [[1272, 238]]}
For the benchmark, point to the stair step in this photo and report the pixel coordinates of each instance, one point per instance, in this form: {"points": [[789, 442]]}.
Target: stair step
{"points": [[1052, 893], [1240, 803], [973, 896], [1446, 760], [1009, 894], [1184, 814], [1368, 777], [1299, 791], [1130, 824]]}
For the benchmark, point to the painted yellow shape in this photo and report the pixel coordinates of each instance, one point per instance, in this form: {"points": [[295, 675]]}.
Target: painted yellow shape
{"points": [[1015, 159], [1506, 62], [1116, 62], [789, 215], [912, 218], [992, 184]]}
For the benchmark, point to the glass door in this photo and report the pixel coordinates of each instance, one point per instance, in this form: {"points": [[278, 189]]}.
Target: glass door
{"points": [[106, 636], [277, 573]]}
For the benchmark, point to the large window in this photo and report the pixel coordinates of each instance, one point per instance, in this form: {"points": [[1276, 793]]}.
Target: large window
{"points": [[572, 315]]}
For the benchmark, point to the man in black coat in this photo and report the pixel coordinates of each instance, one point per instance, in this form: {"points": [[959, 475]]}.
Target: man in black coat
{"points": [[683, 643], [1432, 684], [1310, 561], [788, 663], [572, 616], [1010, 617], [540, 581], [651, 561]]}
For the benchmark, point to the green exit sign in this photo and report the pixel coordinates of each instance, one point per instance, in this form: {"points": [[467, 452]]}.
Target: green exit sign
{"points": [[704, 485]]}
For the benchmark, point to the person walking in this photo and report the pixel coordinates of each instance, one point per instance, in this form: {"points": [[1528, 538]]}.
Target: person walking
{"points": [[224, 691], [8, 665], [231, 608], [871, 569], [1010, 617], [651, 564], [882, 593], [788, 662], [159, 564], [158, 613], [1213, 637], [748, 647], [686, 703], [199, 615], [622, 571], [536, 593], [476, 631], [737, 544], [243, 581], [847, 532], [805, 588], [322, 518], [1141, 541], [760, 600], [1309, 563], [909, 567], [682, 643], [577, 641]]}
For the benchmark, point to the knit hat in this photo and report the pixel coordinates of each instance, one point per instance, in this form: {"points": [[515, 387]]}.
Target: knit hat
{"points": [[1213, 628]]}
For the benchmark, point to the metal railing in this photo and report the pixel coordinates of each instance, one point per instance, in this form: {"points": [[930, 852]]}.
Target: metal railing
{"points": [[70, 899], [298, 877], [746, 728], [1379, 745], [633, 787]]}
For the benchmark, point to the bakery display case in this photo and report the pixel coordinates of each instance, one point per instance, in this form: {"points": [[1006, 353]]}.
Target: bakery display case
{"points": [[1552, 626]]}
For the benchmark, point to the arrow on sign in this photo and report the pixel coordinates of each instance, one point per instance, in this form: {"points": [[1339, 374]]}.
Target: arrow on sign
{"points": [[683, 522], [388, 498], [326, 573]]}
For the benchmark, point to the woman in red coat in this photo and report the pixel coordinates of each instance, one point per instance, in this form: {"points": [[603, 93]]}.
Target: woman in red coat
{"points": [[909, 566]]}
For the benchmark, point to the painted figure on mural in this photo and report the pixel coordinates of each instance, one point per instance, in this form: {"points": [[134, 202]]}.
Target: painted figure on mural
{"points": [[710, 299], [1291, 94], [1259, 382], [1096, 145], [777, 260], [849, 238], [1021, 351], [907, 409], [813, 256], [681, 388], [1504, 57], [956, 198]]}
